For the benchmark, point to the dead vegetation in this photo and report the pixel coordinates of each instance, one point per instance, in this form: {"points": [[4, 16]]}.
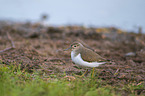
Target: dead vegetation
{"points": [[35, 47]]}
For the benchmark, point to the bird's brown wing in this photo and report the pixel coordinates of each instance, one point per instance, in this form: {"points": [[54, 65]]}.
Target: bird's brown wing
{"points": [[91, 56]]}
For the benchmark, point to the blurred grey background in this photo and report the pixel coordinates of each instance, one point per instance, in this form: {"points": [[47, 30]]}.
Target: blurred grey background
{"points": [[124, 14]]}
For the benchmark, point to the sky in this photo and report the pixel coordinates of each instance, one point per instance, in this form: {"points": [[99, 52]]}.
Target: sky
{"points": [[125, 14]]}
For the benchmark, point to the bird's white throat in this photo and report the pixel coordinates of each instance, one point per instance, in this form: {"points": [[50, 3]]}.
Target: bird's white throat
{"points": [[80, 62]]}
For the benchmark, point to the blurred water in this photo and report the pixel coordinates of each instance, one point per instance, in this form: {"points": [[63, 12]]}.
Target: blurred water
{"points": [[125, 14]]}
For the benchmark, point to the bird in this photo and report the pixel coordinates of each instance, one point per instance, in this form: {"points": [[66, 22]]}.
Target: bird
{"points": [[85, 57]]}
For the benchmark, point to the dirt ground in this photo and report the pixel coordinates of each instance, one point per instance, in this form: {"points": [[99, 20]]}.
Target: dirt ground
{"points": [[38, 47]]}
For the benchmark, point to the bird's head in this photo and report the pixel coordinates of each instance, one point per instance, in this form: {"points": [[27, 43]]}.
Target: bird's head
{"points": [[75, 46]]}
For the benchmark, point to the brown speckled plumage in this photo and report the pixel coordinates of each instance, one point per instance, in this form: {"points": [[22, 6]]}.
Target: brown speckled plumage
{"points": [[91, 55], [87, 54]]}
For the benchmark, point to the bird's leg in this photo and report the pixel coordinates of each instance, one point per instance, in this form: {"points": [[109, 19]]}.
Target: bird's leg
{"points": [[93, 72], [84, 73]]}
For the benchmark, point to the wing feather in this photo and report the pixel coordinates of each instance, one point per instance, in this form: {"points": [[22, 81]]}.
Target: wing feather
{"points": [[91, 56]]}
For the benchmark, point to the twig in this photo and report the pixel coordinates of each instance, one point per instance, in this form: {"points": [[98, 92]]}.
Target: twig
{"points": [[51, 59], [6, 49], [116, 71], [12, 44], [114, 66]]}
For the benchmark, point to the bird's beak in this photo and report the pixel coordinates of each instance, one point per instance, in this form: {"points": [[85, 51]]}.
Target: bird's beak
{"points": [[67, 49]]}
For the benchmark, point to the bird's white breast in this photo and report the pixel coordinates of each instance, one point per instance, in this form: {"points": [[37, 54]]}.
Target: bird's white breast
{"points": [[80, 62]]}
